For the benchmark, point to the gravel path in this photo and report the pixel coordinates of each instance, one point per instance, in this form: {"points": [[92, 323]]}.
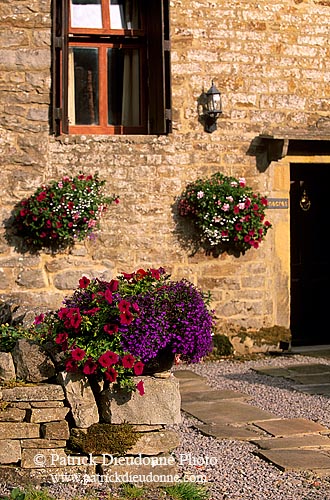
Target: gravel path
{"points": [[238, 473]]}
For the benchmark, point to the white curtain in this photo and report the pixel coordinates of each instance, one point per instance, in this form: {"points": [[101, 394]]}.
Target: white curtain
{"points": [[71, 90]]}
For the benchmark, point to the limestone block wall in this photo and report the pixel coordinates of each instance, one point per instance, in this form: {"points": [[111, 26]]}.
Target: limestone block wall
{"points": [[41, 409], [270, 61]]}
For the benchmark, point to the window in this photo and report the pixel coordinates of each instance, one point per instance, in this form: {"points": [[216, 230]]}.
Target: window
{"points": [[111, 67]]}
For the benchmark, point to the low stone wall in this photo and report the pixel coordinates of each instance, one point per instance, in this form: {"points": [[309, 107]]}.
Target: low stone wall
{"points": [[38, 416]]}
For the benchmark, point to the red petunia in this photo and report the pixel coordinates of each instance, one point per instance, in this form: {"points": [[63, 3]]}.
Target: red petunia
{"points": [[127, 276], [155, 274], [126, 318], [110, 329], [108, 296], [128, 361], [71, 366], [114, 285], [140, 274], [138, 368], [124, 305], [90, 367], [84, 282], [111, 374], [39, 319], [78, 354], [61, 338], [41, 196], [91, 312], [108, 358], [70, 316], [140, 388]]}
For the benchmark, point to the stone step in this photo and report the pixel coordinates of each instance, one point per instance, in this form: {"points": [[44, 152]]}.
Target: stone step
{"points": [[225, 412], [298, 459], [291, 426], [191, 396], [227, 431], [310, 441]]}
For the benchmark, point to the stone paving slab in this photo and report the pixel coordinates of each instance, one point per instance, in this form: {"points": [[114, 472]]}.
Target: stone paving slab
{"points": [[194, 386], [296, 444], [190, 396], [188, 374], [323, 389], [285, 443], [225, 412], [297, 459], [273, 372], [313, 379], [310, 368], [227, 431], [299, 372], [291, 426]]}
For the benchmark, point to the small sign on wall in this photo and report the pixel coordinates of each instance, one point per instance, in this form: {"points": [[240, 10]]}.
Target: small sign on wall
{"points": [[279, 203]]}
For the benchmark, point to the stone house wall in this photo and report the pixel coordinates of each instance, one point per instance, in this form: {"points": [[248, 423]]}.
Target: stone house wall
{"points": [[270, 59]]}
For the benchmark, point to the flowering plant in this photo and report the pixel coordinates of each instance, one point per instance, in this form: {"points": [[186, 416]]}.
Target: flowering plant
{"points": [[62, 211], [112, 329], [226, 212]]}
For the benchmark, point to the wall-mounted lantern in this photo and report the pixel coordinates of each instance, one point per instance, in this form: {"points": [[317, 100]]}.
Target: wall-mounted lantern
{"points": [[211, 108]]}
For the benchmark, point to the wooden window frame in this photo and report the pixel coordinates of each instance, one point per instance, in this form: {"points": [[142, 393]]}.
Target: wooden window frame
{"points": [[103, 127], [152, 39]]}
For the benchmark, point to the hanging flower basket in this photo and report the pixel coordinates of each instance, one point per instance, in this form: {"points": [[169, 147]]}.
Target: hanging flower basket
{"points": [[226, 213], [62, 212]]}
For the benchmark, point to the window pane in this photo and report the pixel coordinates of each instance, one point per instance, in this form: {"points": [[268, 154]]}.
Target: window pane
{"points": [[86, 14], [124, 87], [124, 14], [83, 86]]}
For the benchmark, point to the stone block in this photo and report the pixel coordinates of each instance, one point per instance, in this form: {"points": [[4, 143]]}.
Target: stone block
{"points": [[19, 430], [38, 415], [41, 392], [43, 443], [154, 443], [31, 362], [81, 399], [159, 405], [10, 451], [7, 367], [12, 415], [55, 430], [24, 478], [34, 458], [47, 404]]}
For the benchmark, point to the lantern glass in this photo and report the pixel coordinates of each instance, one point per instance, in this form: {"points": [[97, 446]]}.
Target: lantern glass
{"points": [[213, 100]]}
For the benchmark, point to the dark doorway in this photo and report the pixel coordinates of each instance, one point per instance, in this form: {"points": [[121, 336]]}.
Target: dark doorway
{"points": [[310, 256]]}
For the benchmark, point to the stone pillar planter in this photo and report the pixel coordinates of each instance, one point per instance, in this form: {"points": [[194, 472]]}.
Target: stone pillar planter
{"points": [[160, 404]]}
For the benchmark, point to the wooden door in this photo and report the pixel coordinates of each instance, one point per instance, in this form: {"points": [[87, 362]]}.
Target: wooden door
{"points": [[310, 254]]}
